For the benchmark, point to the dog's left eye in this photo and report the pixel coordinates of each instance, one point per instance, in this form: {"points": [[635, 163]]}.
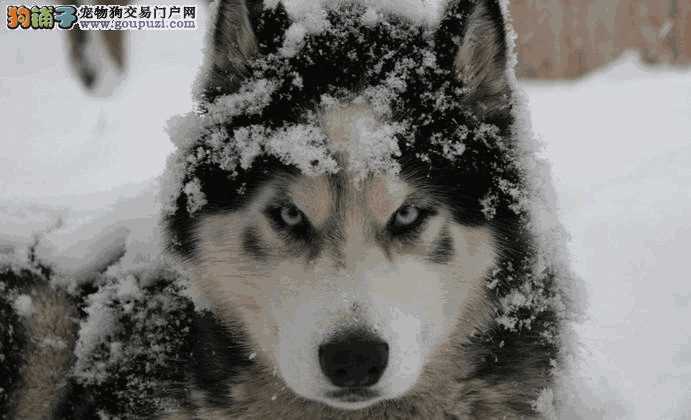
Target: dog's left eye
{"points": [[408, 220], [406, 215]]}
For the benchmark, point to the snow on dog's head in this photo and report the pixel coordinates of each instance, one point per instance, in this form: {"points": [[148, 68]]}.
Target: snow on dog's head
{"points": [[345, 187]]}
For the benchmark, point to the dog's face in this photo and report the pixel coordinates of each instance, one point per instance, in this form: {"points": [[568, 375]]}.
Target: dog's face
{"points": [[347, 287]]}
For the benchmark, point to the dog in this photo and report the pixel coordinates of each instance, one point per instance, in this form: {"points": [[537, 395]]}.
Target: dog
{"points": [[352, 206], [397, 291]]}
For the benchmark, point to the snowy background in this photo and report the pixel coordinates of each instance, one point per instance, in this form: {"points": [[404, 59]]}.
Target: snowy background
{"points": [[619, 141]]}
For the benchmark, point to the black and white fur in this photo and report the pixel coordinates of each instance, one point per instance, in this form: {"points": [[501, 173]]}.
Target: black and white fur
{"points": [[295, 263]]}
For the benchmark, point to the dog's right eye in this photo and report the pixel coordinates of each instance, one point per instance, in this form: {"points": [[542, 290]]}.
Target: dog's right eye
{"points": [[291, 216], [289, 219]]}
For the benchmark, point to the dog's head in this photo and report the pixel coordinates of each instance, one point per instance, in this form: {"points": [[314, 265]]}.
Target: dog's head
{"points": [[352, 262], [347, 286]]}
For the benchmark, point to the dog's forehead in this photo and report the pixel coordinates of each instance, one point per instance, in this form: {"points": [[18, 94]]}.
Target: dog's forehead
{"points": [[341, 121], [377, 197]]}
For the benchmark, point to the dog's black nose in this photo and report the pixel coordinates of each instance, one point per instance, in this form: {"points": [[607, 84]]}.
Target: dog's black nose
{"points": [[354, 361]]}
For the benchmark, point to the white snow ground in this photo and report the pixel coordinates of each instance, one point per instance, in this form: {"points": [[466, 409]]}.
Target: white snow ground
{"points": [[620, 145], [619, 141]]}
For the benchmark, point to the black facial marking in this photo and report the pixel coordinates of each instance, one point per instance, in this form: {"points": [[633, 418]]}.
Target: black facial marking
{"points": [[314, 248], [218, 358], [442, 249], [252, 244]]}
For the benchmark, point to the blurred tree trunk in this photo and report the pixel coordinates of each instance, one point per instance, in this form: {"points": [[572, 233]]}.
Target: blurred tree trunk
{"points": [[567, 38]]}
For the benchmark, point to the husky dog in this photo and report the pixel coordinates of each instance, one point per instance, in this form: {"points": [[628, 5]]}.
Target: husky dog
{"points": [[385, 294]]}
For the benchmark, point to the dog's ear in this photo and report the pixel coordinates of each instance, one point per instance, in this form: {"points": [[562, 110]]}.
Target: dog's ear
{"points": [[472, 40], [232, 45]]}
